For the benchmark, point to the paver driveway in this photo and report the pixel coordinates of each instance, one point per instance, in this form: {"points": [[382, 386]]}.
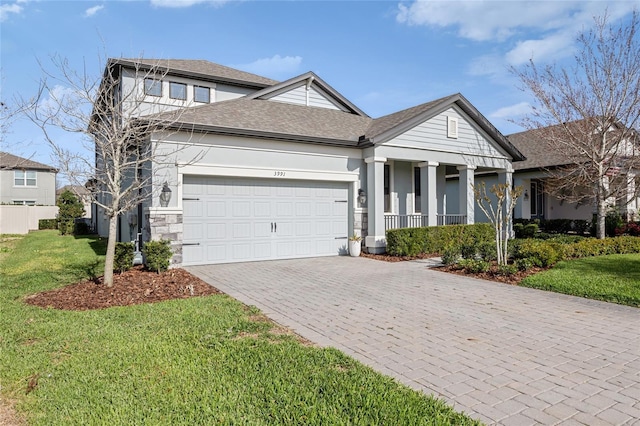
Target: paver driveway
{"points": [[503, 354]]}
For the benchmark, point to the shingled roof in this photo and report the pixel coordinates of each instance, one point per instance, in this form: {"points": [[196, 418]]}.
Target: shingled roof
{"points": [[13, 162], [198, 68], [264, 118], [537, 152]]}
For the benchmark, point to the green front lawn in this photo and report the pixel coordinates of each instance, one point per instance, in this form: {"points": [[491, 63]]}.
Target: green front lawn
{"points": [[204, 360], [614, 278]]}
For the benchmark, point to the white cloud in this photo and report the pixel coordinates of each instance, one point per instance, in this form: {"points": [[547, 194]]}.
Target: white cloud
{"points": [[519, 109], [187, 3], [541, 30], [93, 10], [7, 9], [276, 66], [60, 95]]}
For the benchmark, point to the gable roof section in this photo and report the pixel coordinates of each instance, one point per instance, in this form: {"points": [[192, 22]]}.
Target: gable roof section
{"points": [[389, 126], [308, 78], [538, 154], [197, 68], [275, 120], [13, 162]]}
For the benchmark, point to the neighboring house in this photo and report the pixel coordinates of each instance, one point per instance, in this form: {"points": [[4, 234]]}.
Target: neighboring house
{"points": [[26, 182], [533, 174], [291, 169], [83, 195]]}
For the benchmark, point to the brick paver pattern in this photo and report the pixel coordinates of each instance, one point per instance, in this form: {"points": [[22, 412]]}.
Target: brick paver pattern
{"points": [[502, 354]]}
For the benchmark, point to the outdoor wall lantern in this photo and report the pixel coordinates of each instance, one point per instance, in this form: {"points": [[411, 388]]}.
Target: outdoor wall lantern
{"points": [[362, 197], [526, 195], [165, 195]]}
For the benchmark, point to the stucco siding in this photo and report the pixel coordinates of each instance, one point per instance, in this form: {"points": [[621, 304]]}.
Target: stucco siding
{"points": [[432, 135], [44, 193]]}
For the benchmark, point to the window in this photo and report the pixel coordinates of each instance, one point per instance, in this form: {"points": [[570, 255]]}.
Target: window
{"points": [[387, 188], [416, 189], [24, 202], [201, 94], [537, 199], [178, 91], [152, 87], [24, 177]]}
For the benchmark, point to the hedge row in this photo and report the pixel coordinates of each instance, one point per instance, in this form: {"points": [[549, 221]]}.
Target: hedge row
{"points": [[545, 253], [437, 239]]}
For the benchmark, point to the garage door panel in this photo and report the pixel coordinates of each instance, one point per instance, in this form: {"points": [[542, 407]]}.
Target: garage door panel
{"points": [[262, 209], [241, 230], [216, 231], [216, 209], [232, 219]]}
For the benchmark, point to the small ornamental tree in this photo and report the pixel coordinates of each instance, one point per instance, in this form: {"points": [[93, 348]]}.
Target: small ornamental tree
{"points": [[500, 214], [70, 208]]}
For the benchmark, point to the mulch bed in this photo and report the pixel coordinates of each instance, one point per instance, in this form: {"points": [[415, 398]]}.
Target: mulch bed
{"points": [[389, 258], [491, 275], [133, 287]]}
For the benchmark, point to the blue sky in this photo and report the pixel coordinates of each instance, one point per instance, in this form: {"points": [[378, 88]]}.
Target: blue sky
{"points": [[382, 55]]}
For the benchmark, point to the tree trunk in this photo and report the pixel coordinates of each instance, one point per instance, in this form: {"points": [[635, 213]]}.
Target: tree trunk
{"points": [[111, 251], [601, 216]]}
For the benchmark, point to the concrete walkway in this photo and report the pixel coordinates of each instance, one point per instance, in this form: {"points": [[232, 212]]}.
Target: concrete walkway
{"points": [[503, 354]]}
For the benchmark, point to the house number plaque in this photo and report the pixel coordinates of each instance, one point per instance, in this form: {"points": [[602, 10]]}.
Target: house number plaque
{"points": [[279, 173]]}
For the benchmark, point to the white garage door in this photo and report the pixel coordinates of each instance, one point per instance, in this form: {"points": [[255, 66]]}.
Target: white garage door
{"points": [[230, 219]]}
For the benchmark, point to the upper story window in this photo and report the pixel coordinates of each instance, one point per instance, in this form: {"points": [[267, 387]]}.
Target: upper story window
{"points": [[24, 178], [152, 87], [201, 94], [177, 91]]}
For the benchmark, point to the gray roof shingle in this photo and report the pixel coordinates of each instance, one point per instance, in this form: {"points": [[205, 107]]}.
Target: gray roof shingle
{"points": [[10, 162], [275, 119], [200, 68]]}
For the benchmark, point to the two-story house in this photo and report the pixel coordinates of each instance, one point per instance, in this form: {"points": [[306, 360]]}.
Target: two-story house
{"points": [[274, 170], [26, 182]]}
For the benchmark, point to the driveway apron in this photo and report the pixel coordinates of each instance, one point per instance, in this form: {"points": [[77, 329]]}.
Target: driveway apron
{"points": [[502, 354]]}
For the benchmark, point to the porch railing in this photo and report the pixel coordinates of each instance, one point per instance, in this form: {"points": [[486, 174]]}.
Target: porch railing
{"points": [[396, 221], [452, 219]]}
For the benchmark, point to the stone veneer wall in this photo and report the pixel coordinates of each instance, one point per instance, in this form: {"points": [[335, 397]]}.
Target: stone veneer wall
{"points": [[168, 227], [361, 224]]}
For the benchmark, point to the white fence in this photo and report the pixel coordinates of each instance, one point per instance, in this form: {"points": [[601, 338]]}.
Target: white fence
{"points": [[22, 219]]}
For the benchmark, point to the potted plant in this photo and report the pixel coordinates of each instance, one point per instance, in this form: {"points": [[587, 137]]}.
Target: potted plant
{"points": [[354, 245]]}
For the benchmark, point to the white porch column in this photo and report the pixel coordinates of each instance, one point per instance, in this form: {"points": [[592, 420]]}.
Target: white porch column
{"points": [[467, 202], [376, 238], [441, 184], [505, 177], [429, 196]]}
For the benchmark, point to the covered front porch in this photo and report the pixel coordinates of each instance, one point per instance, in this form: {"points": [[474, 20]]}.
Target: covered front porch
{"points": [[406, 194]]}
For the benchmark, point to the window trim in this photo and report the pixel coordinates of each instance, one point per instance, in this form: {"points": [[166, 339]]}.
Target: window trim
{"points": [[25, 179], [195, 98], [171, 90], [154, 83]]}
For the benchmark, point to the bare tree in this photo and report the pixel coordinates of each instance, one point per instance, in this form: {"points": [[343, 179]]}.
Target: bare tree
{"points": [[589, 114], [500, 214], [117, 160]]}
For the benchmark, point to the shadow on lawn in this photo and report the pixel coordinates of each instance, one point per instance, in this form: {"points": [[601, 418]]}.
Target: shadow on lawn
{"points": [[97, 244]]}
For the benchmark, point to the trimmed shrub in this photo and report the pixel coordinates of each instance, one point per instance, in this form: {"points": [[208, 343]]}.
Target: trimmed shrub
{"points": [[123, 260], [507, 270], [434, 239], [66, 226], [488, 251], [530, 230], [468, 250], [157, 255], [541, 253], [474, 266], [523, 264], [556, 226], [580, 226], [48, 224], [518, 230], [450, 255]]}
